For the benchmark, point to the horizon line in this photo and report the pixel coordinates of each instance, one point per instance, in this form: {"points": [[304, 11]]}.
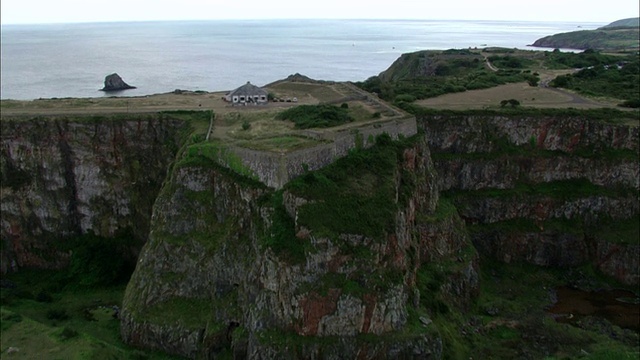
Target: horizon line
{"points": [[293, 19]]}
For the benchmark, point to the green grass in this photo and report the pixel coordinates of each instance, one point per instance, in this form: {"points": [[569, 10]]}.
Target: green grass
{"points": [[281, 237], [426, 74], [558, 190], [193, 314], [444, 210], [316, 116], [208, 154], [623, 84], [617, 231], [354, 195], [607, 115], [26, 325], [600, 39], [359, 112], [279, 143], [509, 320]]}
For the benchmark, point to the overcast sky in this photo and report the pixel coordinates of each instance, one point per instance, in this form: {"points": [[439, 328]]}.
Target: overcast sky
{"points": [[71, 11]]}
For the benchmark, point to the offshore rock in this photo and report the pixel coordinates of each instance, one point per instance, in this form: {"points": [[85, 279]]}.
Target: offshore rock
{"points": [[114, 82]]}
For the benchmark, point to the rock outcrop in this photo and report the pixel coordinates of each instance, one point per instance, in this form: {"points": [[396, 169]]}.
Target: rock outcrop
{"points": [[248, 271], [114, 82], [552, 191], [63, 177], [345, 262]]}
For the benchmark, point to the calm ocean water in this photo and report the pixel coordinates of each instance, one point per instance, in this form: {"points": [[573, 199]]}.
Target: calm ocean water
{"points": [[71, 60]]}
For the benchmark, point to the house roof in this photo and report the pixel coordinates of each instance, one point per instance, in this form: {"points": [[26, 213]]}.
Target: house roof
{"points": [[248, 89]]}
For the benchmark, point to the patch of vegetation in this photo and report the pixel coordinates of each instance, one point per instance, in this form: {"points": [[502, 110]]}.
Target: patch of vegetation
{"points": [[444, 210], [570, 60], [280, 143], [619, 80], [97, 261], [192, 313], [562, 190], [511, 102], [523, 226], [57, 314], [623, 23], [607, 115], [25, 322], [316, 116], [510, 62], [354, 195], [617, 231], [282, 236], [210, 154], [9, 318], [427, 74], [606, 39], [12, 176], [509, 320]]}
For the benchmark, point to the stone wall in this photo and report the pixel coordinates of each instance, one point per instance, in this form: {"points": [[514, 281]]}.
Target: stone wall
{"points": [[275, 169]]}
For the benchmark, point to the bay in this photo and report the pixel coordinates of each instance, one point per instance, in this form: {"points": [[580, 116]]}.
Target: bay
{"points": [[71, 60]]}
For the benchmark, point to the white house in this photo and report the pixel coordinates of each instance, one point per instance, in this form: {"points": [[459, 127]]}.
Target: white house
{"points": [[247, 94]]}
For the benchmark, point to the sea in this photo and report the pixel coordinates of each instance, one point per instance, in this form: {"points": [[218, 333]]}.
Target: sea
{"points": [[72, 60]]}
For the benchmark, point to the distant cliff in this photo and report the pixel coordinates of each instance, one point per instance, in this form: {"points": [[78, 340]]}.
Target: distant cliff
{"points": [[552, 191], [623, 23], [620, 35]]}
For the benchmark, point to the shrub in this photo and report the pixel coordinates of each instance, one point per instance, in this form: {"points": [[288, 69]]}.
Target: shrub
{"points": [[246, 125], [344, 106], [405, 98], [510, 102], [68, 333], [315, 116], [9, 319], [44, 297], [98, 261], [57, 314], [631, 103]]}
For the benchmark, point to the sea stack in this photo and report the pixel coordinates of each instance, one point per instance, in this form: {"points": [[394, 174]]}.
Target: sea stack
{"points": [[114, 82]]}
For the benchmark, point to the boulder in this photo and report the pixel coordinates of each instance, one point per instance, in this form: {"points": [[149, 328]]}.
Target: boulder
{"points": [[114, 82]]}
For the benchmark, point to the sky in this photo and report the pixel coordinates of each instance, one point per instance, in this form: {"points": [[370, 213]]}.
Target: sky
{"points": [[74, 11]]}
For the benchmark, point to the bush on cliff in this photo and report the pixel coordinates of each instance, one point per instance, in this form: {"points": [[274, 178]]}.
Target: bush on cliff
{"points": [[316, 116], [97, 261], [355, 194]]}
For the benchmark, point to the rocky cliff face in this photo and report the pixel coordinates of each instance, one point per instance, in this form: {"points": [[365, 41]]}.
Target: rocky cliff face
{"points": [[247, 271], [550, 191], [63, 177], [344, 262]]}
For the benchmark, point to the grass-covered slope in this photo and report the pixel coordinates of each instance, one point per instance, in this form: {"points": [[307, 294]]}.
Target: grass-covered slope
{"points": [[618, 80], [630, 22], [426, 74], [621, 35]]}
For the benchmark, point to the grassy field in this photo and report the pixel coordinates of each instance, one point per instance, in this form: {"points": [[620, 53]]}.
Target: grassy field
{"points": [[254, 127], [40, 321], [531, 96], [510, 320]]}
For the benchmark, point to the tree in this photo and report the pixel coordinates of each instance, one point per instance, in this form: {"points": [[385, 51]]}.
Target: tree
{"points": [[510, 102]]}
